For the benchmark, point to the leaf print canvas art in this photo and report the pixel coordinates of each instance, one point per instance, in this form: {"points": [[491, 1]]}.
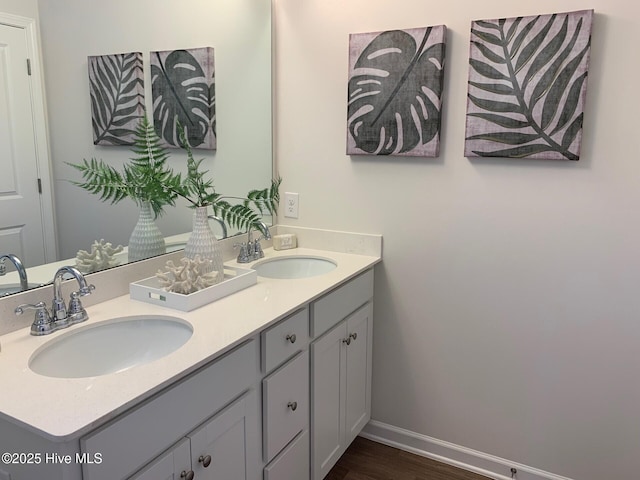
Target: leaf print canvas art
{"points": [[395, 92], [183, 90], [116, 88], [527, 86]]}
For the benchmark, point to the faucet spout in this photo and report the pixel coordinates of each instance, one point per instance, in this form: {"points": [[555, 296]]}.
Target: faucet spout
{"points": [[59, 309], [22, 273]]}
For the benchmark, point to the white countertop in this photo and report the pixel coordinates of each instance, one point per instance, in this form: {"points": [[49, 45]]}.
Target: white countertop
{"points": [[62, 409]]}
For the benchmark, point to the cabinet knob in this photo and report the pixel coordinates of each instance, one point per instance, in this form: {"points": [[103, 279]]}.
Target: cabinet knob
{"points": [[187, 475], [205, 460], [347, 340], [293, 406], [354, 335], [291, 337]]}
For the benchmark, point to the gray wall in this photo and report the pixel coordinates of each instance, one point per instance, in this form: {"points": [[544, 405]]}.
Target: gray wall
{"points": [[507, 306]]}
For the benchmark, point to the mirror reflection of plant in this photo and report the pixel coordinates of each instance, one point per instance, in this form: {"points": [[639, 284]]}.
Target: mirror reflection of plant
{"points": [[200, 192], [147, 178]]}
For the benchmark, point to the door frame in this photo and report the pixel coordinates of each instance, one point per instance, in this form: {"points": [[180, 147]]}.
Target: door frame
{"points": [[41, 140]]}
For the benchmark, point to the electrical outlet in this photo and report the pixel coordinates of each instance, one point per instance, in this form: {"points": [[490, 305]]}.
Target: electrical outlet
{"points": [[291, 205]]}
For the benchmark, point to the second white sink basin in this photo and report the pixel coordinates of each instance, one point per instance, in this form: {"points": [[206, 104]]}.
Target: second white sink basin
{"points": [[294, 267], [110, 347]]}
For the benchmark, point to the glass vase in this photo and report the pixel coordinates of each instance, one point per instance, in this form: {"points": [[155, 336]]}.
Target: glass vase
{"points": [[146, 239], [203, 242]]}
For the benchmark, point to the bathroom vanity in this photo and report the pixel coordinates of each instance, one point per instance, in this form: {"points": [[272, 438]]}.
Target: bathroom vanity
{"points": [[274, 383]]}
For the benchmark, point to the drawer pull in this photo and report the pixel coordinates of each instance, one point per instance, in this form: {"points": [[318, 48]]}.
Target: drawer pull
{"points": [[205, 460], [187, 475], [293, 406], [347, 340], [291, 337]]}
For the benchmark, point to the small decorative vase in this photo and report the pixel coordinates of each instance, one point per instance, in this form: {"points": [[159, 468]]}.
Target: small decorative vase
{"points": [[203, 242], [146, 239]]}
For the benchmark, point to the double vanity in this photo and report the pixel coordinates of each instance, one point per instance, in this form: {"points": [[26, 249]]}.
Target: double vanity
{"points": [[272, 382]]}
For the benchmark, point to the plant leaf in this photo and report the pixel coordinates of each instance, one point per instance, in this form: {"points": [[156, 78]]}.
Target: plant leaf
{"points": [[510, 138], [183, 92], [487, 70], [518, 152], [571, 132], [571, 103], [530, 48], [517, 43], [549, 75], [553, 97], [117, 97], [392, 93], [501, 120], [545, 56], [498, 88], [495, 106], [487, 37], [488, 53]]}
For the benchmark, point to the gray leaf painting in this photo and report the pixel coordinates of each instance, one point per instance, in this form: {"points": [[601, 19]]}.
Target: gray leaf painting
{"points": [[527, 86], [183, 90], [116, 87], [395, 91]]}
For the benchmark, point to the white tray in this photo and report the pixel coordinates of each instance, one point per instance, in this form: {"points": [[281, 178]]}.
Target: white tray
{"points": [[149, 290]]}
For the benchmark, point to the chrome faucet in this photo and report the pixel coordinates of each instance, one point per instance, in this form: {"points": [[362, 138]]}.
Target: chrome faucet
{"points": [[22, 273], [252, 250], [60, 317]]}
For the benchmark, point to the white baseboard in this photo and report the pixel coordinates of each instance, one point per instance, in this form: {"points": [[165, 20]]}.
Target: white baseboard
{"points": [[471, 460]]}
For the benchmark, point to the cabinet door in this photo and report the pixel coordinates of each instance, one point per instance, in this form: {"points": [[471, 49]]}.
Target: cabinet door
{"points": [[225, 446], [327, 393], [358, 366], [172, 465]]}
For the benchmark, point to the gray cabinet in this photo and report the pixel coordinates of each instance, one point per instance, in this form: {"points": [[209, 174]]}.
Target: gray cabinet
{"points": [[340, 388]]}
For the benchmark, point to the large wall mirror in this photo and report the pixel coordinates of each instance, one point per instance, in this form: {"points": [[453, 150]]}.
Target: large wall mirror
{"points": [[71, 30]]}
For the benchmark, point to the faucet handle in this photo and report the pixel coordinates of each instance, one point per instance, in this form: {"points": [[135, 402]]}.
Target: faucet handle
{"points": [[42, 324], [243, 256], [84, 291], [77, 313]]}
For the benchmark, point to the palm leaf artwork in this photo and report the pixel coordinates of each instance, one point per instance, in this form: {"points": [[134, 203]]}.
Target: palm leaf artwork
{"points": [[395, 90], [116, 87], [183, 89], [527, 86]]}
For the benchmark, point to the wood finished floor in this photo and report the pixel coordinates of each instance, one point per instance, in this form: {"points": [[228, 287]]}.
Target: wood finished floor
{"points": [[367, 460]]}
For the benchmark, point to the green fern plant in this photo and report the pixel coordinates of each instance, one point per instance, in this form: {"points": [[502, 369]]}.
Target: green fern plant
{"points": [[147, 178], [200, 192]]}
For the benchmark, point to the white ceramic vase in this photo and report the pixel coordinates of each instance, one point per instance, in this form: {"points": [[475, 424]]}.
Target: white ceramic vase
{"points": [[146, 239], [203, 242]]}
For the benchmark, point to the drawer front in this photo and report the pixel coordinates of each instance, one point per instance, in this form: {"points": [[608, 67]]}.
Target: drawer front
{"points": [[336, 305], [282, 341], [285, 395], [139, 435], [292, 463]]}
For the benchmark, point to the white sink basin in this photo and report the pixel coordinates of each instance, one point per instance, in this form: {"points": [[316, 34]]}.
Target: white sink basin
{"points": [[294, 267], [110, 347]]}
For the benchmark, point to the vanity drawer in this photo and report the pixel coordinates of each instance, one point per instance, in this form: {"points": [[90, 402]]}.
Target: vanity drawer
{"points": [[141, 434], [336, 305], [293, 462], [285, 339], [285, 395]]}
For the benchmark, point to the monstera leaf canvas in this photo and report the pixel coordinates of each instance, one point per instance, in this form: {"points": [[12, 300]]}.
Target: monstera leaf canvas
{"points": [[395, 92], [183, 90], [116, 87], [527, 86]]}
